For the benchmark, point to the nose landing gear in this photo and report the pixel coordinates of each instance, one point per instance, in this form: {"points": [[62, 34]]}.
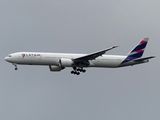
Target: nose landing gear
{"points": [[16, 68]]}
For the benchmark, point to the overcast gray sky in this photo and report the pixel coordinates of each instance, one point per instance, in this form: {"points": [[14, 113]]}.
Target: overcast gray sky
{"points": [[79, 26]]}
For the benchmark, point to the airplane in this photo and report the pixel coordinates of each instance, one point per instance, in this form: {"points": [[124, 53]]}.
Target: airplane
{"points": [[60, 61]]}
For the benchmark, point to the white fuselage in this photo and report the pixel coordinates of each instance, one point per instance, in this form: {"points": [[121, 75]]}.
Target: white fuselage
{"points": [[59, 61], [41, 58]]}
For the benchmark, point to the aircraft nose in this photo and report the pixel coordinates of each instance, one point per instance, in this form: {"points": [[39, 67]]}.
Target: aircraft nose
{"points": [[6, 58]]}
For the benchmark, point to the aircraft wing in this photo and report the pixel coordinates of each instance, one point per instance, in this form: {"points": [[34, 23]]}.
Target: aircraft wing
{"points": [[93, 56], [142, 59]]}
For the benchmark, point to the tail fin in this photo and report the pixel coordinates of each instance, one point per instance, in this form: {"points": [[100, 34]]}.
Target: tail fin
{"points": [[138, 51]]}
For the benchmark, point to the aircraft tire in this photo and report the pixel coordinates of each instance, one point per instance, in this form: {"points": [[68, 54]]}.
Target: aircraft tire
{"points": [[84, 71], [78, 73]]}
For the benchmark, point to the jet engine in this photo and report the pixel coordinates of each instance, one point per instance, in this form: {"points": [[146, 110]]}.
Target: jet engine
{"points": [[66, 62], [55, 68]]}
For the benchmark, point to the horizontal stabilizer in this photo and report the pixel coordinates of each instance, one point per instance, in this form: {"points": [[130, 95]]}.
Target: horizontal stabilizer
{"points": [[142, 59]]}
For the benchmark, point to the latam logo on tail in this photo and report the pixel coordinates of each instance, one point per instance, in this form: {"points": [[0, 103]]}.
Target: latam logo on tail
{"points": [[60, 61], [138, 51]]}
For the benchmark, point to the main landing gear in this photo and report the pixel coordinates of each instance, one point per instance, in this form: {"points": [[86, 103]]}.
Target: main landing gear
{"points": [[76, 71]]}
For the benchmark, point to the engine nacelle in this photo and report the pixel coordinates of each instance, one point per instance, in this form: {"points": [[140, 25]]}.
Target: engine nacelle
{"points": [[55, 68], [66, 62]]}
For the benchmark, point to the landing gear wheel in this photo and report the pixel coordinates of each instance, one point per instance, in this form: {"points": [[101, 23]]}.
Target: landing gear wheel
{"points": [[15, 66], [83, 70], [72, 72], [78, 73]]}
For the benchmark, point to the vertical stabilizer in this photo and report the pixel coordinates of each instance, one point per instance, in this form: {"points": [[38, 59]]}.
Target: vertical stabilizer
{"points": [[138, 51]]}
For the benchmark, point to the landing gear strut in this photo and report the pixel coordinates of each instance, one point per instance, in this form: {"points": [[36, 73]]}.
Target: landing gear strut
{"points": [[76, 71], [15, 66]]}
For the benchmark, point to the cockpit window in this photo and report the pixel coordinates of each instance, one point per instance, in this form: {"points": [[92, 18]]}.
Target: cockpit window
{"points": [[9, 56]]}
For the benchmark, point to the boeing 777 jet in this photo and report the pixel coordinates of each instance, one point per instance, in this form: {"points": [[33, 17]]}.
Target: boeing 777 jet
{"points": [[60, 61]]}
